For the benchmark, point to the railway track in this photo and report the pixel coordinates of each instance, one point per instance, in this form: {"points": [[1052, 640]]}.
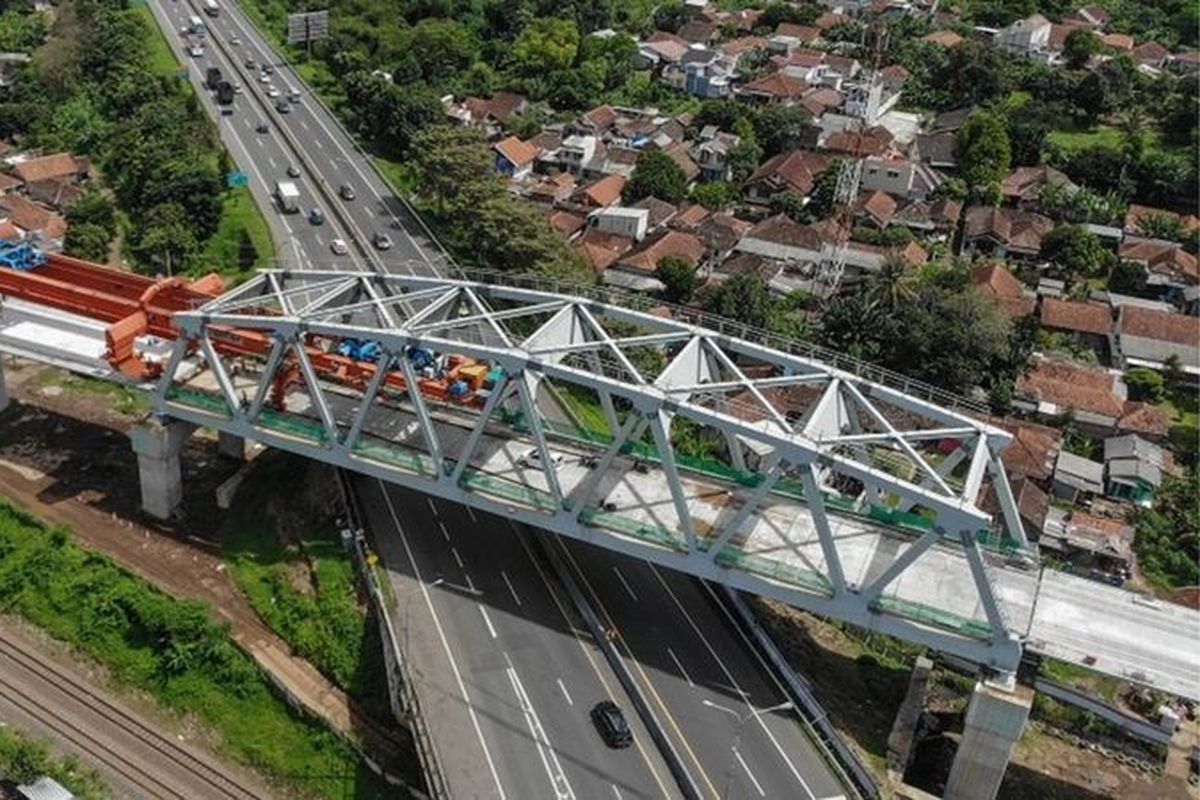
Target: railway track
{"points": [[97, 741]]}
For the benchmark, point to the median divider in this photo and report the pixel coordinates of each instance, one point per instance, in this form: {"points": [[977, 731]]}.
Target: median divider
{"points": [[674, 761]]}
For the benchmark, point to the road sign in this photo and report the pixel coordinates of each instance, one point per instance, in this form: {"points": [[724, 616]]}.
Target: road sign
{"points": [[236, 179], [307, 27]]}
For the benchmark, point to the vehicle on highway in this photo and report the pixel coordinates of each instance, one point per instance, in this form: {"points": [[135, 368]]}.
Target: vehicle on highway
{"points": [[611, 722], [211, 8], [195, 26], [316, 217], [346, 191], [225, 92], [235, 40], [288, 196], [237, 88], [272, 92], [294, 95], [338, 246], [212, 77], [293, 171], [532, 459], [195, 47], [261, 127], [381, 241], [250, 63], [264, 78], [267, 68], [282, 107]]}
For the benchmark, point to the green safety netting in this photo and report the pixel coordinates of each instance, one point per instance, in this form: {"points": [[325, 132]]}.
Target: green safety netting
{"points": [[395, 456], [293, 425], [209, 402], [935, 617], [736, 558], [618, 523], [481, 482]]}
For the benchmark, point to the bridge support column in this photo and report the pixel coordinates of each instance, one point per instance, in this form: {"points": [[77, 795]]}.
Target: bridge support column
{"points": [[995, 719], [157, 445], [231, 446]]}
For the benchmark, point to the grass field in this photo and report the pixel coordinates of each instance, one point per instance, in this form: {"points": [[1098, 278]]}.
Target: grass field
{"points": [[174, 651], [161, 60], [239, 214]]}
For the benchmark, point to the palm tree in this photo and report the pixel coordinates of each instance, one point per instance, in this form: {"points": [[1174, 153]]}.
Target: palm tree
{"points": [[894, 283]]}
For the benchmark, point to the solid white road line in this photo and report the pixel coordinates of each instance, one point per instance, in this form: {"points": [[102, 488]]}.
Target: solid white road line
{"points": [[487, 621], [625, 583], [303, 124], [462, 689], [471, 513], [679, 666], [562, 686], [432, 506], [511, 590], [457, 557], [271, 161], [470, 583], [753, 780], [554, 770], [617, 792], [442, 527], [741, 693]]}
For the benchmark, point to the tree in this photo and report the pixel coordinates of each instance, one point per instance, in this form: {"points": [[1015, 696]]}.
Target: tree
{"points": [[94, 208], [781, 128], [824, 192], [715, 195], [1080, 45], [547, 44], [87, 241], [671, 16], [1167, 541], [794, 204], [743, 298], [1074, 252], [1144, 384], [655, 175], [1128, 277], [743, 158], [444, 48], [454, 168], [982, 149], [678, 278]]}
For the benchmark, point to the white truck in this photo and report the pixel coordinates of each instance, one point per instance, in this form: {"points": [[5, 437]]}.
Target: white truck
{"points": [[288, 196]]}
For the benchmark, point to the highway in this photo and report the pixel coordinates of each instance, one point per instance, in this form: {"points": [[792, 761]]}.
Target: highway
{"points": [[307, 137], [511, 674]]}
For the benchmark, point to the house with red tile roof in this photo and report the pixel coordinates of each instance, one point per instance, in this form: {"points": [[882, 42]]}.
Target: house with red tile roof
{"points": [[876, 209], [795, 171], [636, 268], [994, 280], [33, 220], [943, 38], [1004, 232], [1150, 54], [601, 249], [514, 158], [1095, 396], [776, 89], [1090, 324], [602, 193], [1166, 259], [1147, 337], [1137, 216], [57, 166], [1024, 185]]}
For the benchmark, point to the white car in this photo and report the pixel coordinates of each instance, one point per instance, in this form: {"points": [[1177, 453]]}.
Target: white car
{"points": [[338, 246], [272, 92], [237, 88], [235, 40], [264, 78], [532, 459]]}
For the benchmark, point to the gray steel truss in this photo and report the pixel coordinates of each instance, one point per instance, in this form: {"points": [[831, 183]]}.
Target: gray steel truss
{"points": [[766, 471]]}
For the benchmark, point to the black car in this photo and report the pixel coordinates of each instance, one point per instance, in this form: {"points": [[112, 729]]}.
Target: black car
{"points": [[316, 217], [282, 107], [268, 69], [261, 127], [346, 191], [611, 723], [381, 241], [293, 171], [250, 63]]}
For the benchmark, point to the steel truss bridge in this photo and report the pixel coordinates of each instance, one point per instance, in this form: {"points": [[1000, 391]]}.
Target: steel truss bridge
{"points": [[769, 472]]}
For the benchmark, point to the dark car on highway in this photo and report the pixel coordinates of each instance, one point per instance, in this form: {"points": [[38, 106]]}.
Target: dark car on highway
{"points": [[346, 191], [611, 723]]}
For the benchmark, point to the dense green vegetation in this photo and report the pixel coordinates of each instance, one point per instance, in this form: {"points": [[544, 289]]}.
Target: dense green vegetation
{"points": [[285, 553], [24, 759], [1168, 535], [103, 84], [171, 649]]}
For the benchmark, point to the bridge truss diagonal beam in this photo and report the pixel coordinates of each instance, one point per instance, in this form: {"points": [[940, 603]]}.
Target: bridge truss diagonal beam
{"points": [[764, 470]]}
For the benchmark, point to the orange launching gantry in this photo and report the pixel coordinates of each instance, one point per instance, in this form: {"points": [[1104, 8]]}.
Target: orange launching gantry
{"points": [[134, 306]]}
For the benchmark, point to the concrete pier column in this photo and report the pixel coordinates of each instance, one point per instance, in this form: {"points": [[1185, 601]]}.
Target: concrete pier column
{"points": [[231, 445], [3, 387], [157, 445], [995, 719]]}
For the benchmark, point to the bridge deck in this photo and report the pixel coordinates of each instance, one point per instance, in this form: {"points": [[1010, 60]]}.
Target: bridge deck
{"points": [[1070, 618]]}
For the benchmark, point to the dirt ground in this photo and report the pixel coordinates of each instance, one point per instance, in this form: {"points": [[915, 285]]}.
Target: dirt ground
{"points": [[65, 456], [862, 694]]}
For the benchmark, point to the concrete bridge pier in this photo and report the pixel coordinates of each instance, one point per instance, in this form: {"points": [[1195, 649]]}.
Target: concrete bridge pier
{"points": [[3, 387], [995, 718], [158, 444], [231, 446]]}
